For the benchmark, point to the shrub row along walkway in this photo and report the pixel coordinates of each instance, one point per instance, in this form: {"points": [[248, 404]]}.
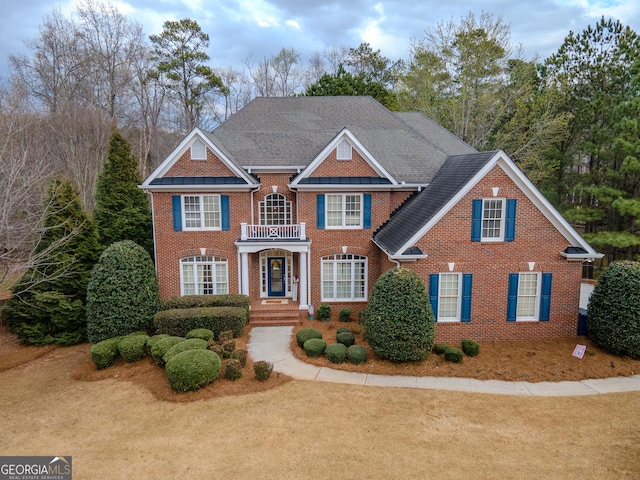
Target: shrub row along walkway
{"points": [[272, 344]]}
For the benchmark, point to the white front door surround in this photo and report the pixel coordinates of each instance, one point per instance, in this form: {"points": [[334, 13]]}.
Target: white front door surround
{"points": [[301, 248]]}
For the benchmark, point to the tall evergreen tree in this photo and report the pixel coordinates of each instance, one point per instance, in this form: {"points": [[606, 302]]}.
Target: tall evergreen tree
{"points": [[48, 300], [122, 210]]}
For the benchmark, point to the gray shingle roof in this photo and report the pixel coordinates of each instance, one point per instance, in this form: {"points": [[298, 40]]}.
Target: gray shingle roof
{"points": [[416, 213], [293, 131]]}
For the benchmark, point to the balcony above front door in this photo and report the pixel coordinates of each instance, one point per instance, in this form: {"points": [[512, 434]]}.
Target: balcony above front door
{"points": [[261, 233]]}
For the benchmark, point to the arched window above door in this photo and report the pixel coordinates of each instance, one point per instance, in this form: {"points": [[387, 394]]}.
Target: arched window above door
{"points": [[275, 209]]}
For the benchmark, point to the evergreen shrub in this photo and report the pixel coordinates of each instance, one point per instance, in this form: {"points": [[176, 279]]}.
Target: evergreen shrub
{"points": [[122, 295], [613, 315], [342, 329], [203, 333], [201, 301], [454, 355], [399, 323], [190, 344], [306, 334], [346, 338], [470, 347], [262, 370], [336, 352], [105, 353], [192, 369], [440, 348], [314, 347], [179, 321], [132, 347], [324, 313], [162, 346], [356, 354], [345, 315]]}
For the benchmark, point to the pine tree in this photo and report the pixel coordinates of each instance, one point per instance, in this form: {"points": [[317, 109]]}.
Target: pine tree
{"points": [[122, 209], [48, 300]]}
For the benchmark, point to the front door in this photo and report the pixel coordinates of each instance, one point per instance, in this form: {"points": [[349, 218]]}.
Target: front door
{"points": [[276, 276]]}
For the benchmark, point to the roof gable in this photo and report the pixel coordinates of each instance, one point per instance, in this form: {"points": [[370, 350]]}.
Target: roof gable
{"points": [[170, 166], [457, 177]]}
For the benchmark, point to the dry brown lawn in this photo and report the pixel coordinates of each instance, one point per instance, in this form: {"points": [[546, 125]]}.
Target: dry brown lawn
{"points": [[121, 428]]}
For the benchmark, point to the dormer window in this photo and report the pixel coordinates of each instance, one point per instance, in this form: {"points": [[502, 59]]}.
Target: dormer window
{"points": [[198, 150], [344, 151]]}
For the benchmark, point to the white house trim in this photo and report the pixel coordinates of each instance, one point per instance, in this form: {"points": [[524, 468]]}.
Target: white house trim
{"points": [[364, 153], [517, 176]]}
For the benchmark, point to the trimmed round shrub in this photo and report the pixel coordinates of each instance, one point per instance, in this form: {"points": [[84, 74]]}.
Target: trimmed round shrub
{"points": [[613, 315], [399, 324], [342, 329], [314, 347], [132, 347], [470, 347], [190, 344], [240, 355], [346, 338], [356, 354], [262, 370], [454, 355], [122, 295], [233, 370], [307, 334], [105, 353], [162, 346], [155, 339], [440, 348], [336, 352], [192, 369], [203, 333]]}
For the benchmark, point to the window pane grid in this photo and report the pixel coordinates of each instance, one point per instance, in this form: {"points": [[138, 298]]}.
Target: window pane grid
{"points": [[449, 296], [344, 277], [344, 210], [527, 295], [492, 218], [204, 275], [201, 211]]}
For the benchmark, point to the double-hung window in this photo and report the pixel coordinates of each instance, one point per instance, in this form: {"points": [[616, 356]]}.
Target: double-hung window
{"points": [[204, 275], [201, 212], [344, 210], [529, 296], [493, 220], [450, 296], [344, 277]]}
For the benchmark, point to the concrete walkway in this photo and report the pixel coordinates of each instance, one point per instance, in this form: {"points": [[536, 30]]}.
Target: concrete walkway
{"points": [[272, 344]]}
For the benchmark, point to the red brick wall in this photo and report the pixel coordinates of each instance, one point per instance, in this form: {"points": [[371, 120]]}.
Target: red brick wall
{"points": [[211, 167], [491, 263], [356, 167]]}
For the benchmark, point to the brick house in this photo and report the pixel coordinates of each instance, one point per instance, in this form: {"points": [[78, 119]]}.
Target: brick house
{"points": [[306, 201]]}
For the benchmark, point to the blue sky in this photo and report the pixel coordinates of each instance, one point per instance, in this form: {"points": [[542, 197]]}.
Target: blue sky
{"points": [[240, 29]]}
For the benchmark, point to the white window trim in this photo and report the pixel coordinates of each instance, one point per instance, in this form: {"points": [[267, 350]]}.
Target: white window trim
{"points": [[343, 225], [194, 261], [202, 212], [503, 215], [458, 314], [287, 209], [344, 258], [198, 150], [344, 151], [536, 313]]}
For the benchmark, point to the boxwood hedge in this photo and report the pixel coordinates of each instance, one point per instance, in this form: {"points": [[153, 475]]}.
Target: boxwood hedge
{"points": [[192, 369], [180, 321]]}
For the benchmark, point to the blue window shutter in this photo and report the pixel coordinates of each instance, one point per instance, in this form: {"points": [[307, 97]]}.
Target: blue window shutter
{"points": [[512, 305], [545, 297], [320, 210], [224, 207], [467, 280], [367, 210], [176, 208], [433, 293], [476, 220], [510, 224]]}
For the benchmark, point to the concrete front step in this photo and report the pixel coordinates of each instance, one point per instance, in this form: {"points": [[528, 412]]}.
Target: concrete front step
{"points": [[275, 317]]}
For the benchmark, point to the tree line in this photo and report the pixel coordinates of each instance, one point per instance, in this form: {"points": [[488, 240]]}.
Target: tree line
{"points": [[570, 121]]}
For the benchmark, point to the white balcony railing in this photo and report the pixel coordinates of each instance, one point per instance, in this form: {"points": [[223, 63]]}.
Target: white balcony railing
{"points": [[273, 232]]}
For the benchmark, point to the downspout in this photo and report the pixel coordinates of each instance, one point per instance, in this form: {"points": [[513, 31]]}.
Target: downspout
{"points": [[397, 262]]}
